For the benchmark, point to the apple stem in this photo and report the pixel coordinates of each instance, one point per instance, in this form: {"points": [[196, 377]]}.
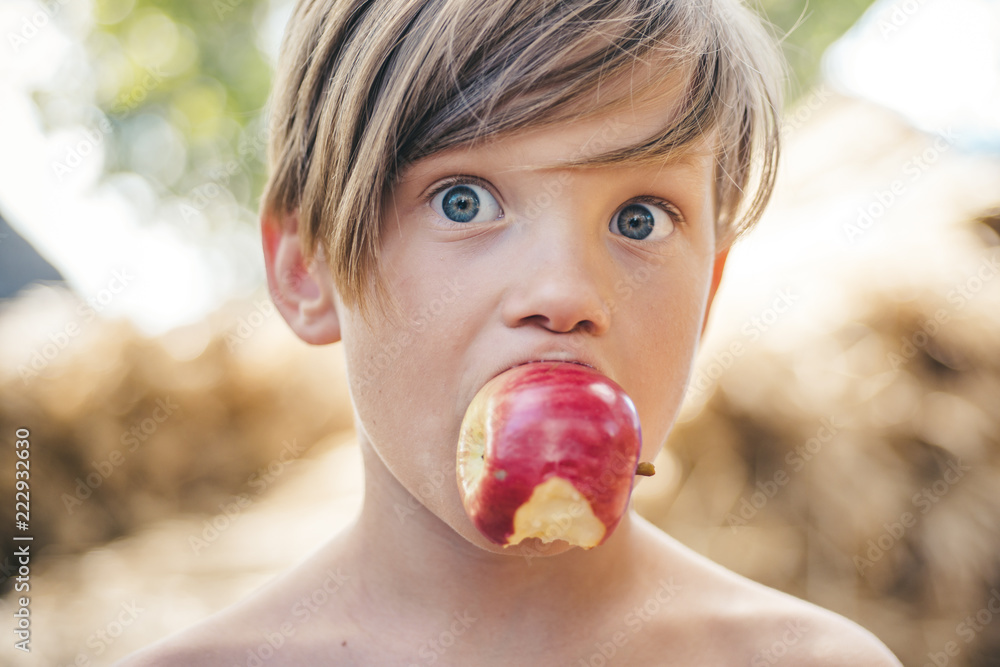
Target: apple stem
{"points": [[645, 468]]}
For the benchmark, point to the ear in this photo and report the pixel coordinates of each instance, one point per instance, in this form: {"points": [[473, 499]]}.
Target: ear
{"points": [[720, 264], [303, 292]]}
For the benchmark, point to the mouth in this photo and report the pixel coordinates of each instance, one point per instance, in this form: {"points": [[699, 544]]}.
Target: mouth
{"points": [[556, 358], [553, 361]]}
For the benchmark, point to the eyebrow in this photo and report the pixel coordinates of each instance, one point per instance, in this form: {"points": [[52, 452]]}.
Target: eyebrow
{"points": [[654, 149], [682, 157], [683, 154]]}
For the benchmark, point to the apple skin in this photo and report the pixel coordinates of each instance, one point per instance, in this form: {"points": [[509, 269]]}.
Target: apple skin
{"points": [[540, 421]]}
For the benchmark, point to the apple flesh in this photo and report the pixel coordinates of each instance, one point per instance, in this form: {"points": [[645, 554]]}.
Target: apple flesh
{"points": [[548, 450]]}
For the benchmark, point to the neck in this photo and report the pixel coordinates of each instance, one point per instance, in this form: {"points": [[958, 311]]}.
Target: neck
{"points": [[418, 566]]}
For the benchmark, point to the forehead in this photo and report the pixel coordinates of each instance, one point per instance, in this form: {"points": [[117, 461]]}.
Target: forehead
{"points": [[621, 115]]}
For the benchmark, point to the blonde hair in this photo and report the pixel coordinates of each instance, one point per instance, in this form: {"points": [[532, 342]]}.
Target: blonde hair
{"points": [[365, 87]]}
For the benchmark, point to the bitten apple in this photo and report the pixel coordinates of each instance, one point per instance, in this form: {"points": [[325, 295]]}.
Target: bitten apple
{"points": [[548, 450]]}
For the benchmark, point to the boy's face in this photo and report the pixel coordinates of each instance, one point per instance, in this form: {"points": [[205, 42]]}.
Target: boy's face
{"points": [[495, 258]]}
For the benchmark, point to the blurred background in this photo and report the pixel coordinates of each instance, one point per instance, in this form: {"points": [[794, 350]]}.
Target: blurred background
{"points": [[841, 436]]}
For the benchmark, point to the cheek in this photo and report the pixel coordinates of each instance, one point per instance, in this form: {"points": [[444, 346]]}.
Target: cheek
{"points": [[669, 317], [398, 404], [403, 374]]}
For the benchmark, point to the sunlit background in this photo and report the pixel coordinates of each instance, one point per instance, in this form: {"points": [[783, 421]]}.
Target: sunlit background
{"points": [[841, 439]]}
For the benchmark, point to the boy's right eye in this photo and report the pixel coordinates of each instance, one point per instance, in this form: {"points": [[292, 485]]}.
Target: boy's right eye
{"points": [[464, 202]]}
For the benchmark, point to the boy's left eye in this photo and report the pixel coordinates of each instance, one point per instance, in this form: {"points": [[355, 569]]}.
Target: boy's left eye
{"points": [[642, 221]]}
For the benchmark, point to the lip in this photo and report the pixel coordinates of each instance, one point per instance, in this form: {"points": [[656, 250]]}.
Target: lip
{"points": [[563, 361], [563, 357]]}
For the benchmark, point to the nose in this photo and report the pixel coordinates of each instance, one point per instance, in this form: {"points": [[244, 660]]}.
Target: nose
{"points": [[558, 282]]}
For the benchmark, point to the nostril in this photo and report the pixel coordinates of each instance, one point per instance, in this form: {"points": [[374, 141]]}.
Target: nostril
{"points": [[581, 326], [585, 326], [561, 296]]}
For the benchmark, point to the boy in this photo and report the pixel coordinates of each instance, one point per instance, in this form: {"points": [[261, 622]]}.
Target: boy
{"points": [[459, 187]]}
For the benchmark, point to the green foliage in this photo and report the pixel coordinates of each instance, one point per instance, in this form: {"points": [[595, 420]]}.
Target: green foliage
{"points": [[184, 85], [807, 27]]}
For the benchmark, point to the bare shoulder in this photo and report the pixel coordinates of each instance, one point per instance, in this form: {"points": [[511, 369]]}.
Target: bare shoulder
{"points": [[796, 632], [211, 642], [725, 618], [275, 626], [233, 636], [773, 627]]}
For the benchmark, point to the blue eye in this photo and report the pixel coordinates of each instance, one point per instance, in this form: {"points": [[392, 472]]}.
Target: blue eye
{"points": [[639, 221], [466, 202]]}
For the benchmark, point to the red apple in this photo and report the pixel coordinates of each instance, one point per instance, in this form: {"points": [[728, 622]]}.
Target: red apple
{"points": [[548, 450]]}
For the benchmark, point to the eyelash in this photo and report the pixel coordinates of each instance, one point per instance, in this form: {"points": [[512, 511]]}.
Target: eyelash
{"points": [[670, 209], [452, 181]]}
